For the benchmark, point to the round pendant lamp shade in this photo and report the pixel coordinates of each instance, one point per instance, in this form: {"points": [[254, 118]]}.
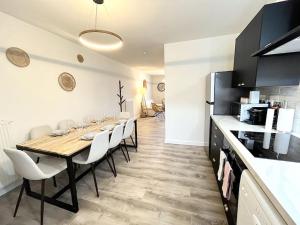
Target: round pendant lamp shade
{"points": [[100, 40]]}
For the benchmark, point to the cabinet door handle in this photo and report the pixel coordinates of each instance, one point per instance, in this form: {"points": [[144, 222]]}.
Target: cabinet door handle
{"points": [[215, 136], [268, 44], [242, 84], [216, 128], [226, 207], [214, 160], [215, 144]]}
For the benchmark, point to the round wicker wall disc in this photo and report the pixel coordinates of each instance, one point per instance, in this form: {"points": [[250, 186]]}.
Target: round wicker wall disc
{"points": [[66, 81], [17, 57], [80, 58]]}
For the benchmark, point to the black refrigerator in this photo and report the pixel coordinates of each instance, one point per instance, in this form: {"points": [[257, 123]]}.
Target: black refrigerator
{"points": [[219, 96]]}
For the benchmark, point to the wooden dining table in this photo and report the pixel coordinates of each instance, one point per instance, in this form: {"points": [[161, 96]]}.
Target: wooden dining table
{"points": [[66, 146]]}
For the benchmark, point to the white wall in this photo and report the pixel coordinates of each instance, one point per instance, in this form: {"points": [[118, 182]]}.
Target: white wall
{"points": [[157, 96], [31, 96], [186, 66]]}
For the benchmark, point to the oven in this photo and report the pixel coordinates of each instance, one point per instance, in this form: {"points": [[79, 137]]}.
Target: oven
{"points": [[237, 166]]}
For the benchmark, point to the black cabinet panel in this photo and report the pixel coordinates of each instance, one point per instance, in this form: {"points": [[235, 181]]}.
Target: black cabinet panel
{"points": [[225, 94], [245, 66], [277, 20], [277, 70], [272, 21], [215, 144]]}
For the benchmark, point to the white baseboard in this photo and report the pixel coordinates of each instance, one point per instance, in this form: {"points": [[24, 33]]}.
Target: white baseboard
{"points": [[10, 187], [185, 142]]}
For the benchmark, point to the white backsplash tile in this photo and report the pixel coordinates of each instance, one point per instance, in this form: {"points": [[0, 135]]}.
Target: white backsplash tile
{"points": [[290, 94]]}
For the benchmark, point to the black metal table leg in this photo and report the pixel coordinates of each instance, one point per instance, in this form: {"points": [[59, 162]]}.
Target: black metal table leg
{"points": [[72, 183], [135, 141], [95, 180], [42, 201], [135, 134]]}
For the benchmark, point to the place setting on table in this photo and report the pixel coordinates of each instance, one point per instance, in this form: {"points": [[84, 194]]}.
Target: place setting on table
{"points": [[89, 128], [112, 123]]}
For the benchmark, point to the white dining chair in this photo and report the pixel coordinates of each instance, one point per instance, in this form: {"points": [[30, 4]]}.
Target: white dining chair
{"points": [[124, 115], [97, 151], [115, 142], [66, 124], [25, 167], [116, 136], [127, 133], [38, 132]]}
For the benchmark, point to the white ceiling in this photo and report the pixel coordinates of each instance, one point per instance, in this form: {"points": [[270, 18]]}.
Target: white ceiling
{"points": [[145, 25]]}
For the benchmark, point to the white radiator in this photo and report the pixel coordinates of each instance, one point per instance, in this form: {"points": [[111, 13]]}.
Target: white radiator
{"points": [[7, 174]]}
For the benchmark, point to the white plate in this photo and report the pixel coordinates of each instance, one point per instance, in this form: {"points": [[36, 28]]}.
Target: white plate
{"points": [[85, 139], [78, 126], [121, 121], [58, 133], [107, 127], [89, 136]]}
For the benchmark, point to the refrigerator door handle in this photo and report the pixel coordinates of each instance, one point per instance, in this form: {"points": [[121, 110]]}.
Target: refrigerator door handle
{"points": [[210, 103]]}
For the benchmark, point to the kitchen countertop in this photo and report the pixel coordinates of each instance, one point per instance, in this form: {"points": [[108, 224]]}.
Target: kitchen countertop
{"points": [[280, 180]]}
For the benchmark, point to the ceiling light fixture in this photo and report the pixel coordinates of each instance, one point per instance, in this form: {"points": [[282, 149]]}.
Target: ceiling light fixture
{"points": [[100, 40]]}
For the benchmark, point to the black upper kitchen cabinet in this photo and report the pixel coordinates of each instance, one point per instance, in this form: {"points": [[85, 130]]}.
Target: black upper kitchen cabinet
{"points": [[271, 22]]}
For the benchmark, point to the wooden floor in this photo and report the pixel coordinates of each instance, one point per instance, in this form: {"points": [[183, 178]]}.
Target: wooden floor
{"points": [[163, 184]]}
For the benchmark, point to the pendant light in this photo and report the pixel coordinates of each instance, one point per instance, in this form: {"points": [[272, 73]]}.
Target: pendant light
{"points": [[100, 40]]}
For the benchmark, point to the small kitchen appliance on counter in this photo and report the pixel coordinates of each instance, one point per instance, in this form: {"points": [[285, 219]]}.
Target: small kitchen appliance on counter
{"points": [[257, 116], [241, 111]]}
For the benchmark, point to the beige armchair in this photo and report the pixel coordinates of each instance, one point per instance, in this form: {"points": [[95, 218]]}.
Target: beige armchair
{"points": [[158, 109]]}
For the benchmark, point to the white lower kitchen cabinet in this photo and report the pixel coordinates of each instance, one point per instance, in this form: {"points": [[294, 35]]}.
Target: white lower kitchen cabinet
{"points": [[254, 207]]}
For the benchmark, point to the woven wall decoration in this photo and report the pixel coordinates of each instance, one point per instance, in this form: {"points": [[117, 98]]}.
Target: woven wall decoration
{"points": [[18, 57], [67, 81], [80, 58]]}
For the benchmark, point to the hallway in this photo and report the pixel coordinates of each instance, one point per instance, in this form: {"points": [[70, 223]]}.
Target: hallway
{"points": [[162, 184]]}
